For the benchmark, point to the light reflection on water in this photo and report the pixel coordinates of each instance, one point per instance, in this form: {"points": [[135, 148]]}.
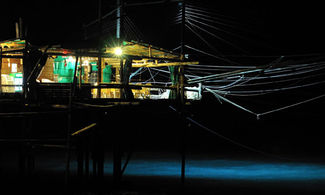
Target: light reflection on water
{"points": [[212, 169], [227, 169]]}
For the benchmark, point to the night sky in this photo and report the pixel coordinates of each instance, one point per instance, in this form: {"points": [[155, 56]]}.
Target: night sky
{"points": [[265, 27]]}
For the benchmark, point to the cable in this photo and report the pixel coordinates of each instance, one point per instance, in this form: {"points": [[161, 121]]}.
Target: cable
{"points": [[258, 115], [257, 92], [233, 141], [133, 26], [205, 10], [292, 105], [222, 67], [176, 48], [230, 102], [265, 72], [208, 54], [260, 83], [223, 75], [215, 36], [206, 42], [136, 73], [198, 16]]}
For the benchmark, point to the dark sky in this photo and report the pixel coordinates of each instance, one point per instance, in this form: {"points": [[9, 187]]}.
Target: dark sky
{"points": [[265, 27]]}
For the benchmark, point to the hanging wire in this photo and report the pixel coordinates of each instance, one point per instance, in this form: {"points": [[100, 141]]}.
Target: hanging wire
{"points": [[265, 91], [205, 41], [176, 48], [210, 12], [211, 20], [152, 77], [249, 148], [211, 55], [135, 29], [220, 67], [191, 18], [215, 36], [258, 115]]}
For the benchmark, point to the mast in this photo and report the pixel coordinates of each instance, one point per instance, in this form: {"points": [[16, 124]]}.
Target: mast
{"points": [[183, 29], [181, 68], [181, 95], [117, 153], [124, 66]]}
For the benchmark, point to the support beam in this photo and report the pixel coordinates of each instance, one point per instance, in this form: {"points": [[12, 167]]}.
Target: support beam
{"points": [[26, 71], [74, 84], [126, 92], [117, 152], [153, 65], [99, 73], [84, 129], [69, 125], [0, 70], [182, 93], [152, 3], [100, 47]]}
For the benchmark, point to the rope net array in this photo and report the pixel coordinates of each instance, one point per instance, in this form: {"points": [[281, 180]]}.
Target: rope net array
{"points": [[293, 79]]}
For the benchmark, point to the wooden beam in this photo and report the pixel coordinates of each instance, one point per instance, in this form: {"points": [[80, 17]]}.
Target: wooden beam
{"points": [[6, 56], [74, 83], [0, 69], [152, 65], [84, 129], [12, 50], [151, 3]]}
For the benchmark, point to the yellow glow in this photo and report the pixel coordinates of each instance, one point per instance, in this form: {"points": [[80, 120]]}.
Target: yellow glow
{"points": [[118, 51], [85, 63]]}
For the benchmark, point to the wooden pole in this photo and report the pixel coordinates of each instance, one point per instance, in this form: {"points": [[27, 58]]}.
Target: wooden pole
{"points": [[99, 73], [26, 71], [87, 159], [80, 158], [181, 95], [74, 84], [72, 88], [117, 158], [119, 37], [0, 70], [21, 34]]}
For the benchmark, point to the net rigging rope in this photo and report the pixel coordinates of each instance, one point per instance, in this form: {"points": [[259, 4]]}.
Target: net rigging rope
{"points": [[258, 115], [233, 141]]}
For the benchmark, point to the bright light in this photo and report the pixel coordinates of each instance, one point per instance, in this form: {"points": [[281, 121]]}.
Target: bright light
{"points": [[118, 51], [71, 59], [85, 63]]}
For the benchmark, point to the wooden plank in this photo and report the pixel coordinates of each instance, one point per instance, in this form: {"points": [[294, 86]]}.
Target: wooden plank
{"points": [[6, 56], [152, 65], [84, 129], [14, 50]]}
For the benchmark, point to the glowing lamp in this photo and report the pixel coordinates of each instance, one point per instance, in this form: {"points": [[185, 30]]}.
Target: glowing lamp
{"points": [[118, 51]]}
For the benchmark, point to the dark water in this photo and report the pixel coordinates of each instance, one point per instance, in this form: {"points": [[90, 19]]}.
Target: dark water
{"points": [[154, 134], [159, 173]]}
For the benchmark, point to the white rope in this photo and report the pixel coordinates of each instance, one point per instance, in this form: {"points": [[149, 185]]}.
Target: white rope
{"points": [[230, 140], [264, 91], [292, 105], [258, 115], [230, 102]]}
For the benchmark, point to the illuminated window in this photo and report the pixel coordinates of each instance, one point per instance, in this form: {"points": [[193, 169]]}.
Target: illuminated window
{"points": [[13, 67]]}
